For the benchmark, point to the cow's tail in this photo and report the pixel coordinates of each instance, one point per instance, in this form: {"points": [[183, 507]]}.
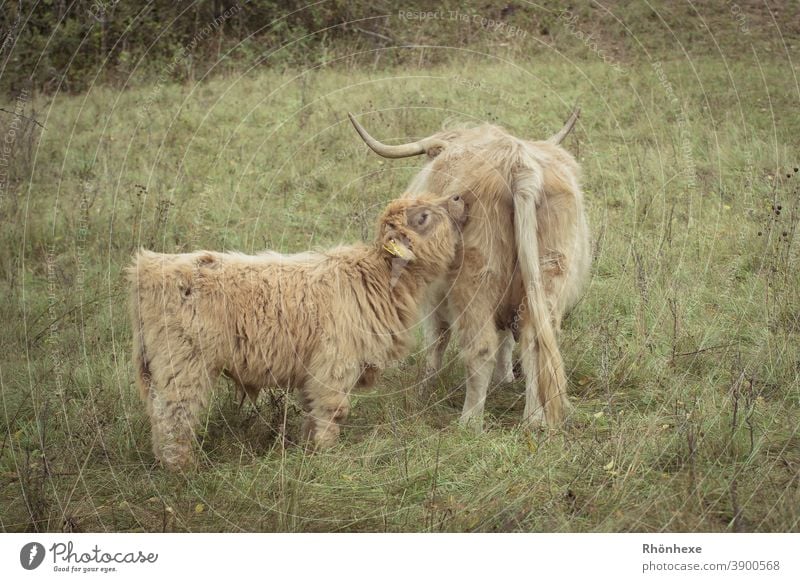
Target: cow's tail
{"points": [[545, 365]]}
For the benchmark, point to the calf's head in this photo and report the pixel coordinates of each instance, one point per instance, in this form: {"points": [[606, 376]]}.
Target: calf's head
{"points": [[424, 231]]}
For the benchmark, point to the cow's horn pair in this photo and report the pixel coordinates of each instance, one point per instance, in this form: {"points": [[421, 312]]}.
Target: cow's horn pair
{"points": [[422, 146]]}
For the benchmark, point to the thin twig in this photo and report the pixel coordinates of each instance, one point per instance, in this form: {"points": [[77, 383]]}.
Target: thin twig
{"points": [[375, 34], [22, 116], [704, 350]]}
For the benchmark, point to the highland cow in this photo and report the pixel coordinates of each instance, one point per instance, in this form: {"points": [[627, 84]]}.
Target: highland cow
{"points": [[526, 258], [316, 321]]}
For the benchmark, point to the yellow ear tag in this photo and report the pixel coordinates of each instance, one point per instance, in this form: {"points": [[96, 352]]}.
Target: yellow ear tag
{"points": [[393, 249]]}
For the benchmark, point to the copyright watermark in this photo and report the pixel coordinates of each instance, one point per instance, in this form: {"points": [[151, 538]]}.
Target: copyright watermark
{"points": [[489, 24]]}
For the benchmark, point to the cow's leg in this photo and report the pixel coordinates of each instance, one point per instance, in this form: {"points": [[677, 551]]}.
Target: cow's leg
{"points": [[504, 367], [180, 390], [436, 325], [556, 286], [327, 404], [437, 337], [477, 337], [479, 347]]}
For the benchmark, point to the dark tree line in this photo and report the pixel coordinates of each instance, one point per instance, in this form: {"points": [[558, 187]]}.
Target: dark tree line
{"points": [[57, 43]]}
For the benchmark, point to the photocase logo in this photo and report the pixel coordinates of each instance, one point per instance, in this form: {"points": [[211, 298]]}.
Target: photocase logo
{"points": [[31, 555]]}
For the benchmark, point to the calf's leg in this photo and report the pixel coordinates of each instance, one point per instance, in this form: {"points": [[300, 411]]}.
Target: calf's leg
{"points": [[180, 391], [327, 404]]}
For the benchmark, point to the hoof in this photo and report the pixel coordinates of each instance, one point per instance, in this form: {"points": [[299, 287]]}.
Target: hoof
{"points": [[472, 423], [535, 420], [505, 378], [429, 381]]}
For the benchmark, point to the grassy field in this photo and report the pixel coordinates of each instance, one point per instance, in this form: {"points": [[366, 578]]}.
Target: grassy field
{"points": [[683, 357]]}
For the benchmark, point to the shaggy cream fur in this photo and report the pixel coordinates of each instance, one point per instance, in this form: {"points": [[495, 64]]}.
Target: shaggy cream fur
{"points": [[525, 261], [315, 321]]}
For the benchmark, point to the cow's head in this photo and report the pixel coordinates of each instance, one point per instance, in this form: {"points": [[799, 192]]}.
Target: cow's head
{"points": [[464, 162]]}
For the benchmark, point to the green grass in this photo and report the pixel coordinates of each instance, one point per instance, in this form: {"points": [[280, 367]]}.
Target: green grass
{"points": [[683, 355]]}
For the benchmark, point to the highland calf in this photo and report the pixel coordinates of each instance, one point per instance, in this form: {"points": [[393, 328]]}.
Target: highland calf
{"points": [[317, 322], [525, 262]]}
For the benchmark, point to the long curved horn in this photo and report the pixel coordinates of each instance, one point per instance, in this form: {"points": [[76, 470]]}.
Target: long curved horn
{"points": [[396, 151], [570, 123]]}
